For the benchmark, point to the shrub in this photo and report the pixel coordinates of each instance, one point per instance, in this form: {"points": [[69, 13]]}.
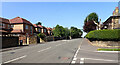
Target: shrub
{"points": [[104, 35], [41, 35]]}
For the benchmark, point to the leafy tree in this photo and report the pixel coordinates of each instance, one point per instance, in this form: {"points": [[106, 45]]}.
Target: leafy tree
{"points": [[91, 17], [76, 32], [39, 23], [59, 31], [41, 35], [89, 25], [67, 32]]}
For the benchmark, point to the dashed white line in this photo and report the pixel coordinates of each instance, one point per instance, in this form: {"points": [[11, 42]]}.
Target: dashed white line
{"points": [[81, 60], [73, 62], [58, 45], [44, 49], [14, 59], [74, 57]]}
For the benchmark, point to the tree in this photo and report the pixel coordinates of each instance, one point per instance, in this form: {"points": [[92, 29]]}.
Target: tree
{"points": [[89, 25], [59, 31], [75, 33], [41, 35], [39, 23], [91, 16], [67, 32]]}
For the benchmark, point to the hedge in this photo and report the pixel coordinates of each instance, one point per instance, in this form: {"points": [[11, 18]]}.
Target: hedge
{"points": [[113, 35]]}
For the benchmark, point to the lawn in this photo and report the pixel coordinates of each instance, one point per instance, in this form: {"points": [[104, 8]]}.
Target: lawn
{"points": [[102, 49]]}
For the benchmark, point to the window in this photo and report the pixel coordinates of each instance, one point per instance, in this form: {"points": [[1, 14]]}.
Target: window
{"points": [[31, 30], [12, 26], [0, 24], [3, 25], [39, 30], [8, 26], [26, 27], [44, 30]]}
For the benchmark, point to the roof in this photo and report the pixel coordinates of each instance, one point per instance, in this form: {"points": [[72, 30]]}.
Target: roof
{"points": [[4, 20], [19, 20], [49, 28], [116, 7], [110, 18], [40, 26], [35, 25]]}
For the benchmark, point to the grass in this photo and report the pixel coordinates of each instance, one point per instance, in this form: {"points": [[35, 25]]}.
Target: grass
{"points": [[101, 49]]}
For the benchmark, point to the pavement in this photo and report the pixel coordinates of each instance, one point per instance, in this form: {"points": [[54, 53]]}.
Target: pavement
{"points": [[64, 52]]}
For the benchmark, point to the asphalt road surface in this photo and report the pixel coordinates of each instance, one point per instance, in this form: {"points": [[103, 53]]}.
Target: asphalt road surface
{"points": [[69, 52]]}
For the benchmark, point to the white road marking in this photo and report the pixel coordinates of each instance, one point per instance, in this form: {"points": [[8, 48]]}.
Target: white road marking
{"points": [[81, 60], [44, 49], [73, 62], [74, 58], [14, 59], [100, 59], [109, 51], [58, 45]]}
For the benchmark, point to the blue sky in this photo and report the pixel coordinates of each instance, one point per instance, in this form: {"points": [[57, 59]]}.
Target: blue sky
{"points": [[50, 14]]}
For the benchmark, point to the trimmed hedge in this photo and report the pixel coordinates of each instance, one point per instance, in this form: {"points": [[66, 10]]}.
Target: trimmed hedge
{"points": [[111, 35]]}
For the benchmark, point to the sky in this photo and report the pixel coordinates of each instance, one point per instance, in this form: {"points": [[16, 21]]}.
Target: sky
{"points": [[50, 14]]}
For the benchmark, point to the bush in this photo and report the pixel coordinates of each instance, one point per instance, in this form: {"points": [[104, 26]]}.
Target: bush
{"points": [[41, 35], [104, 35]]}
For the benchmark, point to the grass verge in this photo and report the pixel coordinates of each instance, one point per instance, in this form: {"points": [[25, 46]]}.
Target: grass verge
{"points": [[101, 49]]}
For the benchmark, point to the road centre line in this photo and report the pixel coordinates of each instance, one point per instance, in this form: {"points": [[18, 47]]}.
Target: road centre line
{"points": [[15, 59], [44, 49], [74, 57], [58, 44]]}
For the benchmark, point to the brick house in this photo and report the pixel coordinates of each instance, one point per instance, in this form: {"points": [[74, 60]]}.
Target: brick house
{"points": [[43, 29], [49, 30], [24, 29], [5, 27], [37, 29], [113, 22]]}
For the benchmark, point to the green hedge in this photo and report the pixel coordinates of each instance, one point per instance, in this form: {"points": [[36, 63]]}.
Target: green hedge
{"points": [[104, 35]]}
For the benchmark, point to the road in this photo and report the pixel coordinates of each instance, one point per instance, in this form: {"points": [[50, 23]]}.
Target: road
{"points": [[68, 52]]}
